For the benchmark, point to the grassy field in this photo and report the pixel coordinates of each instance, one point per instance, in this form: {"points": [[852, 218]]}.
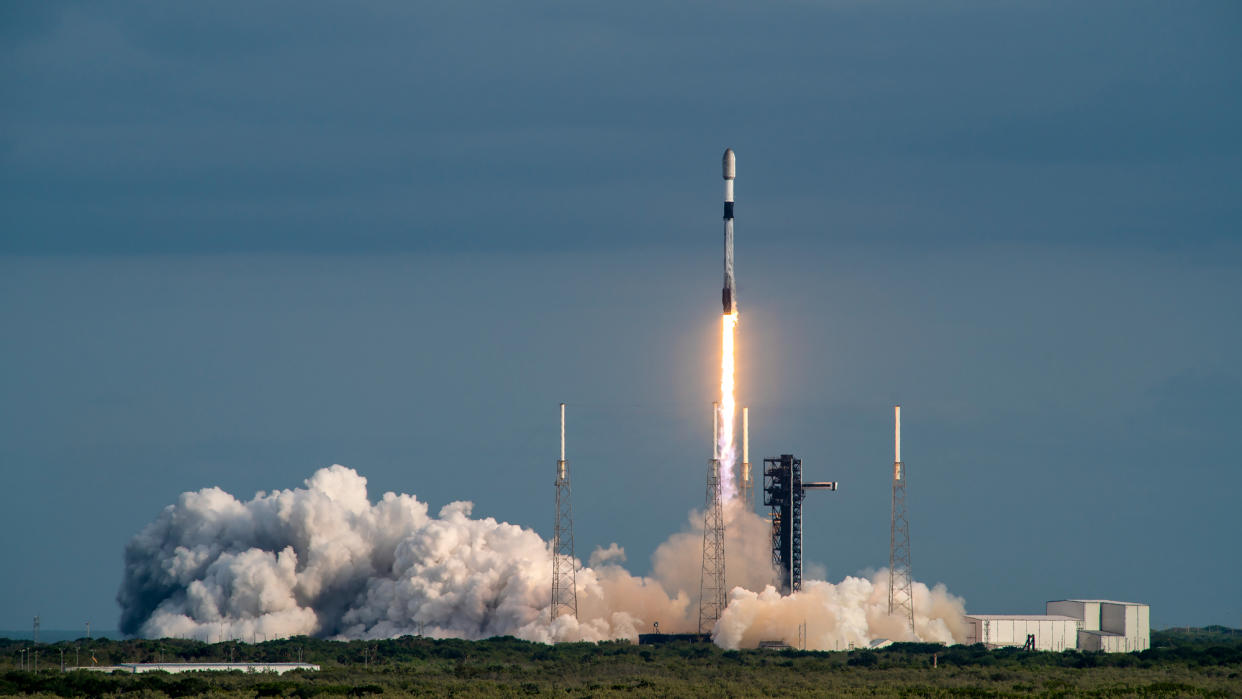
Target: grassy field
{"points": [[1198, 663]]}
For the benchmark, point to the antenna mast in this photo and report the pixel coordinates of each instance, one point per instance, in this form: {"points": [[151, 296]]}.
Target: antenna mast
{"points": [[900, 585], [564, 569], [748, 478]]}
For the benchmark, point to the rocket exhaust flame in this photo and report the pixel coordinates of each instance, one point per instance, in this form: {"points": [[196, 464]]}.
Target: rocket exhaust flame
{"points": [[726, 446]]}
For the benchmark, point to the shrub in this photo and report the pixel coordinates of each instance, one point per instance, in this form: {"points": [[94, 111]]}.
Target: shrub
{"points": [[863, 658]]}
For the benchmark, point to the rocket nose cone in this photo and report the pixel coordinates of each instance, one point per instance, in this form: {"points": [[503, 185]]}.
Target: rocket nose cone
{"points": [[730, 164]]}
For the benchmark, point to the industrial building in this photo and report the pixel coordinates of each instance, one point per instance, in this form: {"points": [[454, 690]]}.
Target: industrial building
{"points": [[1108, 625], [1051, 631], [1075, 624]]}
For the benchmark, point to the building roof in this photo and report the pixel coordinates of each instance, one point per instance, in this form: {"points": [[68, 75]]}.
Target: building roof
{"points": [[1024, 617], [1101, 601]]}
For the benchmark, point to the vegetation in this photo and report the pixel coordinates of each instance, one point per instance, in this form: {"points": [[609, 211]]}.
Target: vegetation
{"points": [[1197, 662]]}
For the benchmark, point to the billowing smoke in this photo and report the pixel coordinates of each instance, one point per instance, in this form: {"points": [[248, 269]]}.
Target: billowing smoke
{"points": [[324, 560], [846, 615]]}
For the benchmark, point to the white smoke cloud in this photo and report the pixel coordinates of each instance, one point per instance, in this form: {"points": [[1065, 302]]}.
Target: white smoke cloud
{"points": [[324, 560], [601, 556], [848, 614]]}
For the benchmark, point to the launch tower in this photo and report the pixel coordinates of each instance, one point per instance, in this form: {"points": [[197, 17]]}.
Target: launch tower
{"points": [[783, 491]]}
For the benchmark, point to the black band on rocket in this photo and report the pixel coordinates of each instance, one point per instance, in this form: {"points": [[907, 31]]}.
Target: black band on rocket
{"points": [[728, 209]]}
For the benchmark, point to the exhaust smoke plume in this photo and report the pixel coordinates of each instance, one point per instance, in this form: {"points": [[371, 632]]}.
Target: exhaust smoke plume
{"points": [[846, 615], [323, 560]]}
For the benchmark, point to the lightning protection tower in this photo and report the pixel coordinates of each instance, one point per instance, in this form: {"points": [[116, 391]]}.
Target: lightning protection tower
{"points": [[712, 593], [900, 584], [564, 569], [748, 478]]}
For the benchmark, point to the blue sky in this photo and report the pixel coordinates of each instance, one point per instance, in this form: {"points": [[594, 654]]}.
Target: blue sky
{"points": [[241, 242]]}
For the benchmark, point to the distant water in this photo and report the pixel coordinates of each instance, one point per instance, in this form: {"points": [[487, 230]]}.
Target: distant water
{"points": [[58, 635]]}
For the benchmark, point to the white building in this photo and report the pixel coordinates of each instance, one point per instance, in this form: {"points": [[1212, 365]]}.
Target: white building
{"points": [[1054, 632], [1107, 625]]}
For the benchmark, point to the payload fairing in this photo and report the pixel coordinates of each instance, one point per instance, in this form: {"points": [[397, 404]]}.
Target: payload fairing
{"points": [[728, 296]]}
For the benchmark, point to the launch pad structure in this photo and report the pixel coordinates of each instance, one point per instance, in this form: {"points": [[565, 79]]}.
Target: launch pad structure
{"points": [[783, 491]]}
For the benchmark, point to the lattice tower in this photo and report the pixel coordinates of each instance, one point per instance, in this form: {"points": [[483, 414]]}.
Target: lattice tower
{"points": [[900, 581], [712, 592], [564, 568]]}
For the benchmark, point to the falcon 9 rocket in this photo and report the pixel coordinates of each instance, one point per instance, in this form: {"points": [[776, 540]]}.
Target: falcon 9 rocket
{"points": [[727, 295]]}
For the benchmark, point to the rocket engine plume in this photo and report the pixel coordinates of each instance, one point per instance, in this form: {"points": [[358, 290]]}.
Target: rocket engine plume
{"points": [[726, 446]]}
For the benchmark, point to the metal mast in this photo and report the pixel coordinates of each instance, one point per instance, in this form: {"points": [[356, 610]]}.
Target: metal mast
{"points": [[712, 592], [748, 478], [900, 589], [564, 570]]}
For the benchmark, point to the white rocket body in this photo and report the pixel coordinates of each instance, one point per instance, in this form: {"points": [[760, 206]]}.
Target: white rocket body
{"points": [[728, 295]]}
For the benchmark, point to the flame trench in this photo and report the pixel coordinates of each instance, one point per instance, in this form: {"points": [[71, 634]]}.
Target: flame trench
{"points": [[726, 446]]}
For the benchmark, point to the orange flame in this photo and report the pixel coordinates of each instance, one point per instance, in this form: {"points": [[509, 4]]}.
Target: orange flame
{"points": [[726, 447]]}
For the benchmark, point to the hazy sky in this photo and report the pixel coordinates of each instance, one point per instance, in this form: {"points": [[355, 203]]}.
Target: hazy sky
{"points": [[241, 241]]}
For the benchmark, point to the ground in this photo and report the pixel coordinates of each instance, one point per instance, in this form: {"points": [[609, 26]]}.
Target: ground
{"points": [[1197, 662]]}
